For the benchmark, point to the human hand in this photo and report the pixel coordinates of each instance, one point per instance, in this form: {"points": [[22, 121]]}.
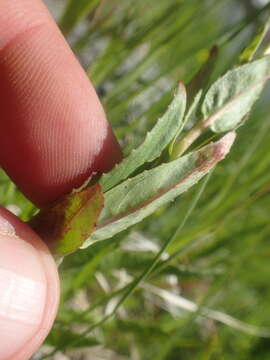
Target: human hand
{"points": [[53, 135]]}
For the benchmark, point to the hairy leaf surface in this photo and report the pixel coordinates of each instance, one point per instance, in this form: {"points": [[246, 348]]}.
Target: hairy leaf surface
{"points": [[231, 97], [156, 141], [138, 197], [190, 119]]}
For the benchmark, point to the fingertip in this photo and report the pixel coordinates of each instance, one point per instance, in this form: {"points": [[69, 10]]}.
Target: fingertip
{"points": [[54, 132], [17, 16], [29, 289]]}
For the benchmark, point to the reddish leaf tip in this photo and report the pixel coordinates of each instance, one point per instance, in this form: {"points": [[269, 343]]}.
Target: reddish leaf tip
{"points": [[181, 85], [223, 146]]}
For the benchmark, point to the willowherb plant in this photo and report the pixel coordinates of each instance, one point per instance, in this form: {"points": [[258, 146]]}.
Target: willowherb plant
{"points": [[134, 189]]}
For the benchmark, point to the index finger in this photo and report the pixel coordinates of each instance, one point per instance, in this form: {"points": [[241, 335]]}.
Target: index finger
{"points": [[53, 130]]}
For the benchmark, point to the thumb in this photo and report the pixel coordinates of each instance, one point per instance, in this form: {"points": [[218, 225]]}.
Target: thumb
{"points": [[29, 289]]}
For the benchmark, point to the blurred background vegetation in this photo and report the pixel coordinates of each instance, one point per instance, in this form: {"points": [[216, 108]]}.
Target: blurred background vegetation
{"points": [[209, 296]]}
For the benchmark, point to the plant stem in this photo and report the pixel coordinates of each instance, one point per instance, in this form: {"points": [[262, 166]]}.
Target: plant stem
{"points": [[153, 267], [189, 139]]}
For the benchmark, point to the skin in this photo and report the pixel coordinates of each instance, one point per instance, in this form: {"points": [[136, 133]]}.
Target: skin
{"points": [[53, 135]]}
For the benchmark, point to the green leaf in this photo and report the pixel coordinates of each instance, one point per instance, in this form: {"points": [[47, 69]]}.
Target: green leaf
{"points": [[192, 114], [251, 50], [68, 223], [59, 337], [75, 11], [155, 142], [201, 79], [138, 197], [190, 119], [231, 97]]}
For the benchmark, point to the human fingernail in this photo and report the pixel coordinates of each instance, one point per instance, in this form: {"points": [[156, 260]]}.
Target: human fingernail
{"points": [[22, 291], [6, 228]]}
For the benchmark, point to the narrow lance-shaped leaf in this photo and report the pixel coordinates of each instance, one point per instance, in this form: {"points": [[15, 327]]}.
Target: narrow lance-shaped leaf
{"points": [[156, 141], [250, 51], [202, 78], [59, 337], [138, 197], [75, 11], [68, 223], [231, 97], [190, 119], [192, 114]]}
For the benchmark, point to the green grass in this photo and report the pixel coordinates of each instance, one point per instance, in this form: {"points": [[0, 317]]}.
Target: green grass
{"points": [[134, 285]]}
